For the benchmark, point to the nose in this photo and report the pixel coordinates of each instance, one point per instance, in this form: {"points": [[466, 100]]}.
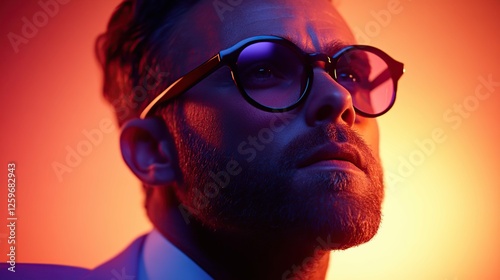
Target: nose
{"points": [[328, 102]]}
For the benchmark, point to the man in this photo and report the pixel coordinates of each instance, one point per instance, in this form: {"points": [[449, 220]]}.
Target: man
{"points": [[257, 166], [251, 126]]}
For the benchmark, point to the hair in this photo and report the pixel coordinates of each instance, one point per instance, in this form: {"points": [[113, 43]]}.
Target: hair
{"points": [[131, 56]]}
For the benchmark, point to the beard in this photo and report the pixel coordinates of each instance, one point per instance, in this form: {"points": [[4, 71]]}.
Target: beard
{"points": [[269, 195]]}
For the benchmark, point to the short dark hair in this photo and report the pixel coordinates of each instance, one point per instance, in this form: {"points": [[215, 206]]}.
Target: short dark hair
{"points": [[130, 53]]}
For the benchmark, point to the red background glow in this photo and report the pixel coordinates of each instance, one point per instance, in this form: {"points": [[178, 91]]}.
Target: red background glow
{"points": [[441, 209]]}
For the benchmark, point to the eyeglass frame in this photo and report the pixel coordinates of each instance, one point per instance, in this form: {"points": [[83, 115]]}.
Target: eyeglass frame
{"points": [[229, 57]]}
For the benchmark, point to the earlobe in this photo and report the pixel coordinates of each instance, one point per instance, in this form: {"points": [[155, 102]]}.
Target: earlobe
{"points": [[146, 149]]}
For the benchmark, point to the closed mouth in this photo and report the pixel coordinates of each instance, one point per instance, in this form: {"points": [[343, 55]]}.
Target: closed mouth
{"points": [[344, 156]]}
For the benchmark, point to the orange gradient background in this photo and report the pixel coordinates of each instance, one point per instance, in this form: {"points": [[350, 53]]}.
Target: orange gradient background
{"points": [[440, 216]]}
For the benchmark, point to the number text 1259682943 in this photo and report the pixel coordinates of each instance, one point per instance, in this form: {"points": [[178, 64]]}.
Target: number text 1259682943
{"points": [[11, 218]]}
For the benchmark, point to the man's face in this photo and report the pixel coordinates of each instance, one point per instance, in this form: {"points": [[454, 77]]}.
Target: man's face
{"points": [[313, 170]]}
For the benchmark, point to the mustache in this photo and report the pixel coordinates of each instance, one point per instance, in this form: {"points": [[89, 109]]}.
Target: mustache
{"points": [[300, 148]]}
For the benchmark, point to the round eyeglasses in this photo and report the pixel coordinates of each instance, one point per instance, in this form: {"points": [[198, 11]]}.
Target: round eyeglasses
{"points": [[275, 75]]}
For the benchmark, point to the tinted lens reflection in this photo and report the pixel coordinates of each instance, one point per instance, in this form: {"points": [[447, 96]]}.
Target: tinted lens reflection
{"points": [[367, 77], [272, 74]]}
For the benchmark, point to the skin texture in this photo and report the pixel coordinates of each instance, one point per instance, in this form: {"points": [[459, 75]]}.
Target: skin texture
{"points": [[271, 217]]}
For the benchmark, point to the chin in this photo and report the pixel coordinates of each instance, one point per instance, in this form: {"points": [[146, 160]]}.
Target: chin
{"points": [[354, 234], [347, 216]]}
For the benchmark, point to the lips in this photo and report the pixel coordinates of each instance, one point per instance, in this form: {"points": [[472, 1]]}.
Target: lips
{"points": [[332, 153]]}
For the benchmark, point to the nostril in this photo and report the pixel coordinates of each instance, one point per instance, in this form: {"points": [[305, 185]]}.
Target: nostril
{"points": [[324, 113], [349, 117]]}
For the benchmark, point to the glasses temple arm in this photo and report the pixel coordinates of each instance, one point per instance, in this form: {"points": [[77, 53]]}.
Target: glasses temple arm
{"points": [[184, 83]]}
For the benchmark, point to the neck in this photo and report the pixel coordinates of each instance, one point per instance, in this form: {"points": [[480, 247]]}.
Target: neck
{"points": [[237, 255]]}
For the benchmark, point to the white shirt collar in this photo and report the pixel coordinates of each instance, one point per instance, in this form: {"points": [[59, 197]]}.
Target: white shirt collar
{"points": [[160, 260]]}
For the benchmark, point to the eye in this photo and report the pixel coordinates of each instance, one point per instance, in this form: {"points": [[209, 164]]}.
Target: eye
{"points": [[348, 77], [353, 70], [263, 72], [350, 80], [262, 75]]}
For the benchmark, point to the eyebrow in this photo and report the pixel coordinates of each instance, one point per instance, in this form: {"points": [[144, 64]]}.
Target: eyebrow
{"points": [[330, 48]]}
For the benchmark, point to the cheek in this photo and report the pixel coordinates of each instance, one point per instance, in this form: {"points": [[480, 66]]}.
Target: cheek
{"points": [[220, 117], [368, 129], [247, 127], [200, 121]]}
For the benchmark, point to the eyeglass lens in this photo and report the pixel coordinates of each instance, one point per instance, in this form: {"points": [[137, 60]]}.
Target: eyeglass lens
{"points": [[367, 77], [271, 74]]}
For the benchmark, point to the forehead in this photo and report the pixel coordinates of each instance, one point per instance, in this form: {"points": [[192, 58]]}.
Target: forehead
{"points": [[211, 26]]}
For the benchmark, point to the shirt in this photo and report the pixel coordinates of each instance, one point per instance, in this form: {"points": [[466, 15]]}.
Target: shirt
{"points": [[160, 260]]}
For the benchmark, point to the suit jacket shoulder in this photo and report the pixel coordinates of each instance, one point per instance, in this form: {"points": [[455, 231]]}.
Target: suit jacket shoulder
{"points": [[31, 271], [123, 266]]}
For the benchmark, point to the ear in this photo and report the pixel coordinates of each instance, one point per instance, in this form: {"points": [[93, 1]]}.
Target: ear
{"points": [[145, 147]]}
